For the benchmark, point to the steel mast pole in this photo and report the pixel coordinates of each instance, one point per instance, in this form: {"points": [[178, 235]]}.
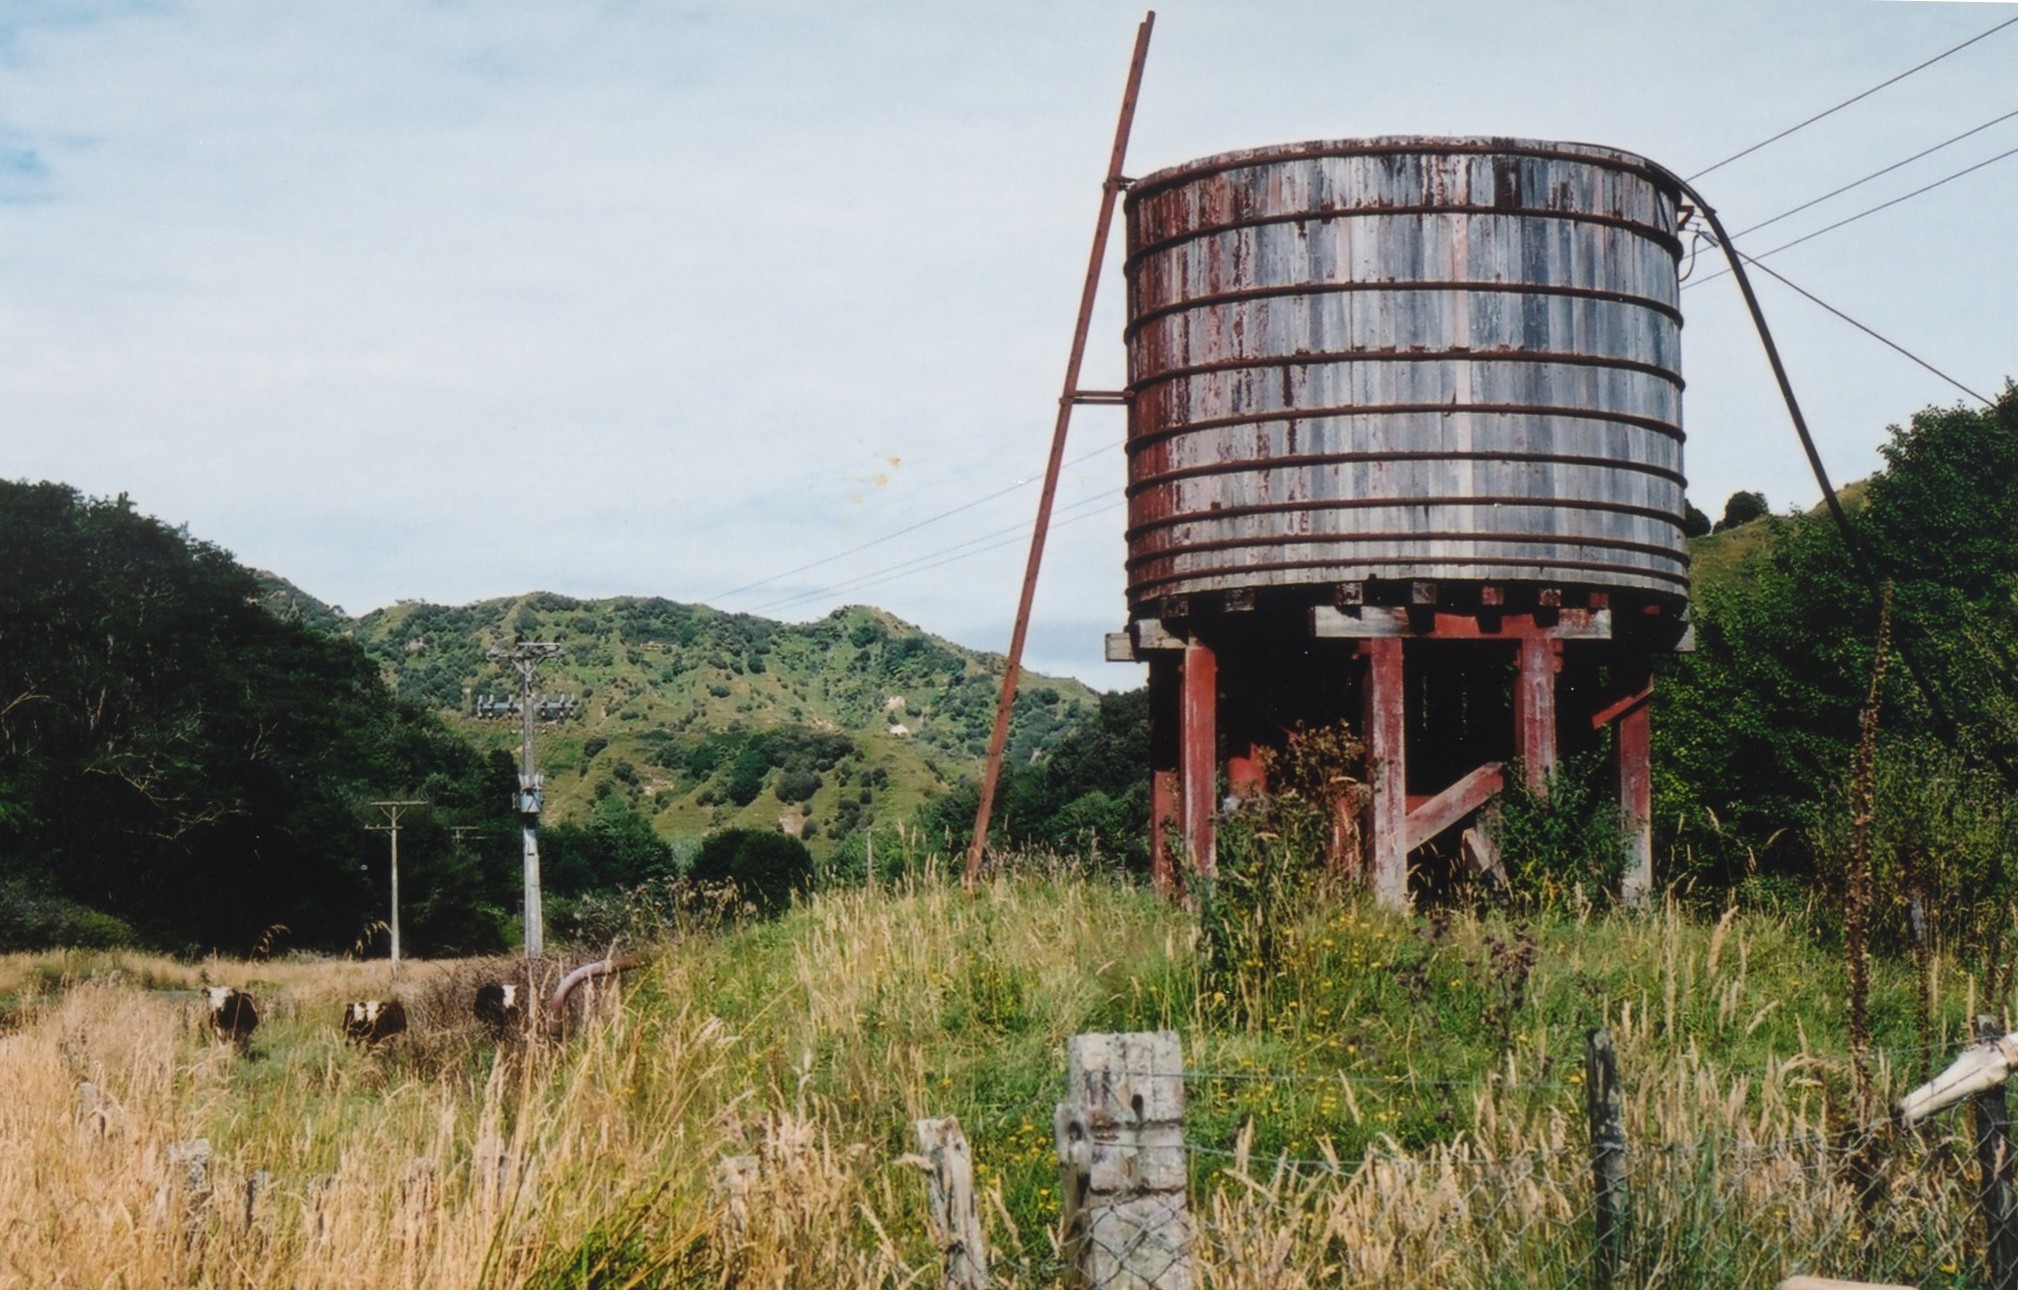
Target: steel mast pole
{"points": [[525, 657], [1110, 192]]}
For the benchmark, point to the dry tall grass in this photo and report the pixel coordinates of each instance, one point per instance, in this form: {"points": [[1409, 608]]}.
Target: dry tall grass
{"points": [[803, 1050]]}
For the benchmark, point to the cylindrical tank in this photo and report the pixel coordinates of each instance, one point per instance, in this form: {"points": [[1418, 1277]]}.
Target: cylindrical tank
{"points": [[1405, 358]]}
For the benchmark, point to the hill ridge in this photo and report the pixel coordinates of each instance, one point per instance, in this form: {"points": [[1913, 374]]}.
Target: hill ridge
{"points": [[859, 715]]}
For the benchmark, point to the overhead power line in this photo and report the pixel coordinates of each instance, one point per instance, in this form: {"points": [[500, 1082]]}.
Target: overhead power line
{"points": [[950, 512], [1858, 183], [1871, 210], [1868, 331], [1855, 98], [1018, 537], [917, 564]]}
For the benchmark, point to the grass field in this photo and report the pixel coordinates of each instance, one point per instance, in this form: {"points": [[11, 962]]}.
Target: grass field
{"points": [[1404, 1109]]}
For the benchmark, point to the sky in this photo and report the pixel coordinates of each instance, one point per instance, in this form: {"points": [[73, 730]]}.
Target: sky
{"points": [[445, 301]]}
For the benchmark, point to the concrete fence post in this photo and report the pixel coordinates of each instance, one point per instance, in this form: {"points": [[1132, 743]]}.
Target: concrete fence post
{"points": [[1120, 1138], [950, 1205], [735, 1182]]}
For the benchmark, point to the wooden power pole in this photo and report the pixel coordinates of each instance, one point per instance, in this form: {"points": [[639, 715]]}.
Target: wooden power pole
{"points": [[392, 811]]}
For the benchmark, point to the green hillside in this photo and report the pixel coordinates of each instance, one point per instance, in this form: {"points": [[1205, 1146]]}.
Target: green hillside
{"points": [[706, 720]]}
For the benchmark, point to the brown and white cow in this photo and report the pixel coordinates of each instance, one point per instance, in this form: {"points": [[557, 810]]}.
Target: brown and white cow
{"points": [[232, 1015], [373, 1021]]}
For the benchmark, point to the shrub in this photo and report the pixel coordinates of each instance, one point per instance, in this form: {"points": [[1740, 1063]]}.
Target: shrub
{"points": [[1563, 846], [767, 868], [797, 785], [746, 776], [1271, 867], [38, 920]]}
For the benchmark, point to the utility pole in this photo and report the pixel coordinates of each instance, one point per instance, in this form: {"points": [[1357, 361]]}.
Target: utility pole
{"points": [[1110, 193], [526, 657], [392, 811]]}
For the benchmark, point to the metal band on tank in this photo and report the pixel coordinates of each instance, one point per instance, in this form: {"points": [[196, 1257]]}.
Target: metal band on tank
{"points": [[1401, 503], [1323, 214], [1666, 428], [1262, 465], [1153, 184], [1412, 284], [1324, 539], [1375, 563], [1336, 357]]}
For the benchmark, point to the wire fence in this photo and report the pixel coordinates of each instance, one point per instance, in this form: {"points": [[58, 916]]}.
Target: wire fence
{"points": [[1588, 1189], [1708, 1212]]}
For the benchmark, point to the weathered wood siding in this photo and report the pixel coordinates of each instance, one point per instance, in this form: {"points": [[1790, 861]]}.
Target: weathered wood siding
{"points": [[1405, 358]]}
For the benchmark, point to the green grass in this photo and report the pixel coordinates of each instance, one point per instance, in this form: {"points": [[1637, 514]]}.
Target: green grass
{"points": [[816, 1040]]}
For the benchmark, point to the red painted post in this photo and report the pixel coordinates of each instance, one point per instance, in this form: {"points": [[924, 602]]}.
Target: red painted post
{"points": [[1385, 723], [1244, 776], [1541, 657], [1166, 802], [1198, 756], [1165, 797], [1632, 737]]}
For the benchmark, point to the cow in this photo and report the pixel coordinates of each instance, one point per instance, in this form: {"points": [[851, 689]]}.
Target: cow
{"points": [[497, 1006], [372, 1021], [232, 1015]]}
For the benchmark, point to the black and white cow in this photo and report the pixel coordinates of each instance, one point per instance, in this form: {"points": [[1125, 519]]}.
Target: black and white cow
{"points": [[373, 1021], [232, 1015]]}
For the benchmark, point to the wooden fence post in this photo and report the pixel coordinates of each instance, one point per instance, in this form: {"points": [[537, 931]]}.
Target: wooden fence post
{"points": [[1120, 1138], [319, 1201], [416, 1204], [257, 1184], [956, 1220], [1993, 1155], [1604, 1110]]}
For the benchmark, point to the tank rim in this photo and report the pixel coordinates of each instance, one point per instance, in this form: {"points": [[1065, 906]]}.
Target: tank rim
{"points": [[1400, 145]]}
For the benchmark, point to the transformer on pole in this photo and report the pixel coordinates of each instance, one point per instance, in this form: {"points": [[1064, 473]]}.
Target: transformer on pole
{"points": [[526, 656]]}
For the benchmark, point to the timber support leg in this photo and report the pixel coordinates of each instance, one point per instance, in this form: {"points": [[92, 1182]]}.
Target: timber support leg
{"points": [[1632, 739], [1535, 740], [1165, 794], [1198, 756], [1387, 769]]}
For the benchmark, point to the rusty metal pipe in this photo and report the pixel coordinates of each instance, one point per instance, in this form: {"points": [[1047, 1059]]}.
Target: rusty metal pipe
{"points": [[586, 972], [1109, 192]]}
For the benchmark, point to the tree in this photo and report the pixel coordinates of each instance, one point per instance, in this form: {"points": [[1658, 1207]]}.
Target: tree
{"points": [[176, 757], [766, 868], [1757, 724], [1092, 790], [1742, 508]]}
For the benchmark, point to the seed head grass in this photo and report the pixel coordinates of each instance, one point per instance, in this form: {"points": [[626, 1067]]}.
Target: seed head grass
{"points": [[1397, 1111]]}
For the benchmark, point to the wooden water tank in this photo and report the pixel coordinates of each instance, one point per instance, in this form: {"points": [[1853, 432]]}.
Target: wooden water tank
{"points": [[1405, 359]]}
